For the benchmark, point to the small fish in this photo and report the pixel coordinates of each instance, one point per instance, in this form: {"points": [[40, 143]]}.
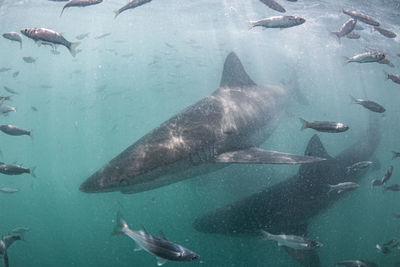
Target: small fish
{"points": [[293, 241], [387, 175], [361, 17], [386, 62], [367, 57], [34, 108], [4, 69], [383, 249], [358, 28], [273, 5], [368, 104], [324, 126], [102, 36], [4, 98], [82, 36], [341, 187], [11, 91], [353, 35], [162, 248], [14, 169], [395, 154], [29, 59], [49, 37], [80, 3], [46, 86], [20, 230], [130, 5], [277, 22], [356, 263], [8, 190], [358, 166], [384, 32], [346, 28], [394, 77], [14, 130], [6, 109], [394, 187], [15, 74], [377, 182], [13, 36]]}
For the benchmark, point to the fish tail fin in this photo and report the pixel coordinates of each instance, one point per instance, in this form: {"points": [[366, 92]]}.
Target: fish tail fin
{"points": [[31, 134], [330, 189], [266, 235], [72, 48], [394, 155], [336, 34], [353, 100], [32, 171], [62, 11], [304, 124], [116, 13], [119, 229], [252, 24], [346, 60], [386, 74]]}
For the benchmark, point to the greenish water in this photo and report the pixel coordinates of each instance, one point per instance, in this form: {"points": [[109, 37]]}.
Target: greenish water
{"points": [[159, 59]]}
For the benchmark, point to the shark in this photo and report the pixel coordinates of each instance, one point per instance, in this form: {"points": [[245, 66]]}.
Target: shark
{"points": [[226, 127], [288, 206]]}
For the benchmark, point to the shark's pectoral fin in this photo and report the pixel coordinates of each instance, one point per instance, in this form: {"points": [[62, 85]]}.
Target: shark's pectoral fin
{"points": [[261, 156], [6, 260]]}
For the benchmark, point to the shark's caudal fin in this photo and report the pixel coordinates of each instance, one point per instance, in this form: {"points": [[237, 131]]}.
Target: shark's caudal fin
{"points": [[234, 74]]}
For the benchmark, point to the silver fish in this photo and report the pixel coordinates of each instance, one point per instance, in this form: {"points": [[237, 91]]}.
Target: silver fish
{"points": [[368, 104], [387, 175], [13, 36], [49, 37], [384, 32], [367, 57], [29, 59], [20, 230], [358, 166], [14, 130], [80, 3], [273, 5], [394, 77], [346, 28], [377, 182], [4, 69], [293, 241], [353, 35], [277, 22], [361, 17], [324, 126], [130, 5], [6, 109], [162, 248], [82, 36], [341, 187], [8, 190], [393, 187], [14, 169], [356, 263], [11, 91], [102, 35]]}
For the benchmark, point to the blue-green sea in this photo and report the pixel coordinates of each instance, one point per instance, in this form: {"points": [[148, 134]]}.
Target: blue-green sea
{"points": [[159, 59]]}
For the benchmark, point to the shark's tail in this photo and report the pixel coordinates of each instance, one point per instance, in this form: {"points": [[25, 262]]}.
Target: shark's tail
{"points": [[304, 124], [121, 226]]}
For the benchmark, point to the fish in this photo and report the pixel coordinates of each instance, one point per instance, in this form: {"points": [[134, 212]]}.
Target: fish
{"points": [[162, 248], [4, 69], [341, 187], [14, 169], [324, 126], [358, 28], [367, 57], [8, 190], [101, 36], [34, 108], [14, 130], [200, 140], [384, 32], [132, 4], [358, 166], [386, 61], [292, 241], [20, 230], [394, 187], [395, 154], [273, 5], [49, 37], [356, 263], [383, 249], [394, 77], [353, 35], [277, 22], [387, 175], [4, 98], [346, 28], [377, 182], [11, 91], [80, 3], [13, 36], [361, 17], [288, 206], [82, 36], [15, 74], [5, 244], [368, 104], [6, 109], [29, 59]]}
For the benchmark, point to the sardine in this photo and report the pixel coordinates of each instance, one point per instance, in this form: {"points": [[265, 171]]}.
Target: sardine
{"points": [[4, 69], [293, 241], [14, 169], [341, 187], [14, 130], [29, 59], [361, 17], [278, 22], [346, 28], [387, 175], [11, 91], [384, 32], [394, 77], [130, 5], [367, 57], [273, 5], [368, 104], [8, 190], [82, 36], [393, 187], [6, 109], [80, 3], [358, 166], [13, 36], [324, 126], [356, 263]]}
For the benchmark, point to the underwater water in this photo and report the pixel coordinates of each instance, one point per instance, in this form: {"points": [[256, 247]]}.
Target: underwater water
{"points": [[159, 59]]}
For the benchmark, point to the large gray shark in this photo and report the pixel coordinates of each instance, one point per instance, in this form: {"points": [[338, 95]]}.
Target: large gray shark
{"points": [[288, 206], [223, 128]]}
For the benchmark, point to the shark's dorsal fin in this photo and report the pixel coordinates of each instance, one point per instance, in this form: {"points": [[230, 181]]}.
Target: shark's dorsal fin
{"points": [[315, 148], [234, 74]]}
